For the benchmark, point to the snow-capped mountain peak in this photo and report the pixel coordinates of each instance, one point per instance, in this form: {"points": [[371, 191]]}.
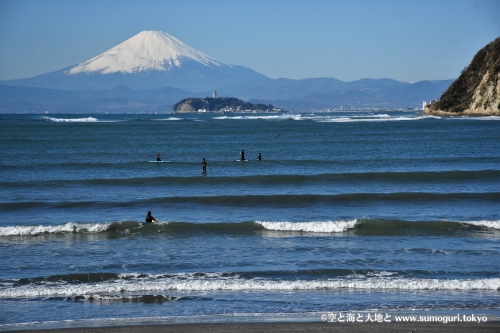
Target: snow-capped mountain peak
{"points": [[146, 51]]}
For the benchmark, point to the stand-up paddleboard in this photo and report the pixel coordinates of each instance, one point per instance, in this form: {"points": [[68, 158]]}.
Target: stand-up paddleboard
{"points": [[158, 161], [241, 160]]}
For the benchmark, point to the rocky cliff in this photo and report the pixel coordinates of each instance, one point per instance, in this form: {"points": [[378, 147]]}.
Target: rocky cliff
{"points": [[476, 92]]}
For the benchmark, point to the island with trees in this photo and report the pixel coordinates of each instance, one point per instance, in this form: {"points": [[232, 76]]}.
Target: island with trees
{"points": [[221, 104]]}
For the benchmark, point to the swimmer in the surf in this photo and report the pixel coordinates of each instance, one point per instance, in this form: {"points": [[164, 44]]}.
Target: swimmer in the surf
{"points": [[150, 218]]}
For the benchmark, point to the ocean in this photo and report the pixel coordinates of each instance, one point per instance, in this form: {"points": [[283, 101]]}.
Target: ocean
{"points": [[348, 215]]}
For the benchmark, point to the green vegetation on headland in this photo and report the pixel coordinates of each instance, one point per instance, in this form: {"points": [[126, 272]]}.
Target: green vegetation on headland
{"points": [[221, 104], [476, 92]]}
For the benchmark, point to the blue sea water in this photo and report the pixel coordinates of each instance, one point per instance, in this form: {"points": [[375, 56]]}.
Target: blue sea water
{"points": [[347, 212]]}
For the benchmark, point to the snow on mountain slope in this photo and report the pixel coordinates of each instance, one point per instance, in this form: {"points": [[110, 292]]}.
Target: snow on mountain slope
{"points": [[146, 51]]}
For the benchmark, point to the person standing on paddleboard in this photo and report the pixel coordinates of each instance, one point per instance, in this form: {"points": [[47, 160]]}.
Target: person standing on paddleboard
{"points": [[259, 156], [204, 165], [242, 155], [158, 158], [150, 218]]}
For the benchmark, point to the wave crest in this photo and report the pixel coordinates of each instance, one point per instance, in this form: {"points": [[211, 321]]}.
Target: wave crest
{"points": [[487, 224], [359, 226], [229, 282], [71, 120], [70, 227], [318, 226]]}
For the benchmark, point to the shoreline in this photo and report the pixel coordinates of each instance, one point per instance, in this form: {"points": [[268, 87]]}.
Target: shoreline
{"points": [[465, 113], [357, 321], [287, 327]]}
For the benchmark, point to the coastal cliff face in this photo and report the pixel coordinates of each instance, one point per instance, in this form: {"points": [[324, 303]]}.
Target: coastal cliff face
{"points": [[184, 107], [476, 92]]}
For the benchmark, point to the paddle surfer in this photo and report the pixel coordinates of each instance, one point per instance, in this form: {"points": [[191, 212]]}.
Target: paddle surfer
{"points": [[259, 156], [204, 165], [150, 218], [242, 155], [158, 158]]}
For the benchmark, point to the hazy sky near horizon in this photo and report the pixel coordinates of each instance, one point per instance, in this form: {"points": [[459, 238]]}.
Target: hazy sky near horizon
{"points": [[406, 40]]}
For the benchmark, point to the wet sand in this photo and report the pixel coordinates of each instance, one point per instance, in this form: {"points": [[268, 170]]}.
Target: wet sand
{"points": [[292, 327]]}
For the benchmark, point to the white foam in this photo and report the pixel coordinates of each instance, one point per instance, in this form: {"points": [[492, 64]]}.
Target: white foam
{"points": [[183, 282], [338, 118], [478, 118], [488, 224], [170, 119], [264, 117], [372, 115], [329, 117], [319, 226], [72, 120], [370, 118], [71, 227]]}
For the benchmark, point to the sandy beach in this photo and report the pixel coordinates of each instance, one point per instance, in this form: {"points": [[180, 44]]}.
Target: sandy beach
{"points": [[292, 327]]}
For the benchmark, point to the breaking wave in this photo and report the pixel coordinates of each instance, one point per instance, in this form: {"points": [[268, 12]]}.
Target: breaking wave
{"points": [[71, 120], [367, 118], [319, 226], [171, 119], [287, 116], [124, 299], [233, 282], [487, 224], [56, 229], [359, 227], [341, 117]]}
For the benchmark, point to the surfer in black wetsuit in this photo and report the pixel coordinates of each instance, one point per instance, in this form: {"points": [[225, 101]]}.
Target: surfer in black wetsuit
{"points": [[242, 155], [158, 158], [204, 165], [150, 218], [259, 156]]}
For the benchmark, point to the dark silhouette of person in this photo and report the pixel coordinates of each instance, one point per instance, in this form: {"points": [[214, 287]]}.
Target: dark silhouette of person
{"points": [[242, 155], [150, 218], [204, 165], [259, 156], [158, 158]]}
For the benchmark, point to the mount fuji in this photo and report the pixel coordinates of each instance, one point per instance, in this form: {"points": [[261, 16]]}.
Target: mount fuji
{"points": [[146, 51], [148, 60]]}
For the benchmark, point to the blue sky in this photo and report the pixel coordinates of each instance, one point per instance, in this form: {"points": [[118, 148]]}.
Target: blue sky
{"points": [[406, 40]]}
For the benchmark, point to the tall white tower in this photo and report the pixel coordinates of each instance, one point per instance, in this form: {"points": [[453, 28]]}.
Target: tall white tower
{"points": [[215, 94]]}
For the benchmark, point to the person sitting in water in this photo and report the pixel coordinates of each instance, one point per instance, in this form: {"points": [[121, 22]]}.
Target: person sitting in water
{"points": [[158, 158], [259, 156], [242, 155], [150, 218]]}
